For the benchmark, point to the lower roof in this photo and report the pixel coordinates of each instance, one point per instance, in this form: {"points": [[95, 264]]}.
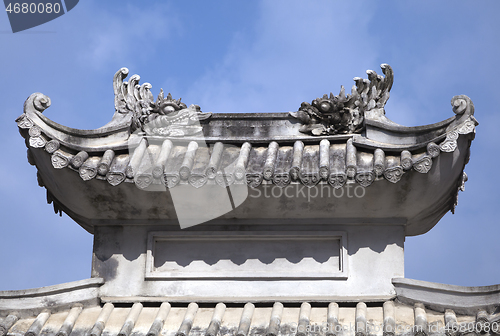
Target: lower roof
{"points": [[388, 318], [420, 308]]}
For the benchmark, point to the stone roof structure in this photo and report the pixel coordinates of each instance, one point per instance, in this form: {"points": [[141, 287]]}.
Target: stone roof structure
{"points": [[274, 259], [165, 143]]}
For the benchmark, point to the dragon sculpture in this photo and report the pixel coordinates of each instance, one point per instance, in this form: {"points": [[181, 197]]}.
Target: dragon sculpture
{"points": [[344, 114], [165, 116]]}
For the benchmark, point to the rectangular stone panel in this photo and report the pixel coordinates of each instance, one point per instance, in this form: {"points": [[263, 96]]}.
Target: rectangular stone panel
{"points": [[205, 255]]}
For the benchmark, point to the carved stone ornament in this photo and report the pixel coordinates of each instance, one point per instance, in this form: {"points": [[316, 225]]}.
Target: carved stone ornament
{"points": [[461, 105], [171, 180], [35, 131], [337, 180], [59, 161], [78, 160], [24, 122], [365, 178], [224, 179], [115, 178], [37, 142], [165, 116], [450, 143], [52, 146], [433, 149], [309, 179], [254, 179], [143, 180], [394, 174], [87, 173], [239, 173], [423, 165], [281, 179], [351, 171], [344, 114], [197, 180]]}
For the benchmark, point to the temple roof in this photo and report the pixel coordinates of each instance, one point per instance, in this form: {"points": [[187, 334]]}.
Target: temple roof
{"points": [[335, 141]]}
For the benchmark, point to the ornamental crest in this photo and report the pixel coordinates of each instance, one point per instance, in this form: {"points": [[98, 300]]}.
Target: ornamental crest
{"points": [[344, 114], [165, 116]]}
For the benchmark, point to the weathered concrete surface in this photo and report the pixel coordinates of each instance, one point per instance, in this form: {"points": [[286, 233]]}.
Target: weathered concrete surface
{"points": [[374, 257], [463, 300]]}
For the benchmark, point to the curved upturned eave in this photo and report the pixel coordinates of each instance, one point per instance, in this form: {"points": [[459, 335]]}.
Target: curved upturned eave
{"points": [[96, 140], [267, 149], [244, 127]]}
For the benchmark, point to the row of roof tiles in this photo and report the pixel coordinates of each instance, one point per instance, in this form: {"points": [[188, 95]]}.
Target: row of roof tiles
{"points": [[390, 319], [195, 163]]}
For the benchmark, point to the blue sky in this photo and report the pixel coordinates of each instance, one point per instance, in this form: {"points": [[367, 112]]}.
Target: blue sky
{"points": [[252, 56]]}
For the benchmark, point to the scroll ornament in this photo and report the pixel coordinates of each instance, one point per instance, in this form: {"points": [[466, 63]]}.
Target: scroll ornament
{"points": [[344, 114], [36, 139], [462, 105], [165, 116]]}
